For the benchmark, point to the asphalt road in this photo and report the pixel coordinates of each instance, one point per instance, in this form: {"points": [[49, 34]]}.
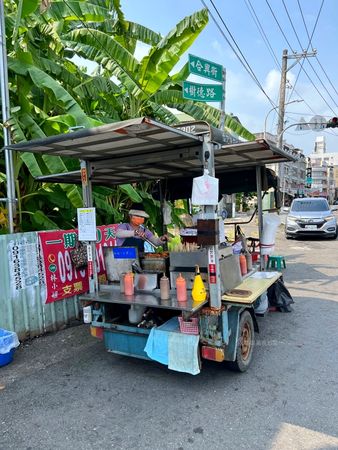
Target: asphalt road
{"points": [[64, 391]]}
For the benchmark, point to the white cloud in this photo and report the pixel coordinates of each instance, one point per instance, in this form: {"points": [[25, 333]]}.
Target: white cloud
{"points": [[272, 83], [224, 52]]}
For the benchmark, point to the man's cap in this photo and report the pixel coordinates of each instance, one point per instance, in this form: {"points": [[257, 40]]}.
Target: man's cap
{"points": [[137, 209]]}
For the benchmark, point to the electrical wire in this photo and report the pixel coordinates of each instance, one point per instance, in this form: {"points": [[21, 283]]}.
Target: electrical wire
{"points": [[327, 77], [279, 26], [259, 25], [306, 28], [321, 82], [262, 32], [302, 66], [266, 40], [294, 84], [310, 43], [309, 62], [292, 25], [307, 114], [245, 64]]}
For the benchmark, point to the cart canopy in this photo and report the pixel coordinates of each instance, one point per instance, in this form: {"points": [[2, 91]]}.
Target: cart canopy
{"points": [[143, 149]]}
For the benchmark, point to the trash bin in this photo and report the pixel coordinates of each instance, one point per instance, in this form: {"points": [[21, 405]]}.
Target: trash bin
{"points": [[8, 342]]}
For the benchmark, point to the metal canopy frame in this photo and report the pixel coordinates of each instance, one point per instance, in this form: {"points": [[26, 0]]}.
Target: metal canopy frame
{"points": [[142, 149]]}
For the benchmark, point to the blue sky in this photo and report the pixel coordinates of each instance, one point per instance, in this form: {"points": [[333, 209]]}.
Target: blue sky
{"points": [[317, 88]]}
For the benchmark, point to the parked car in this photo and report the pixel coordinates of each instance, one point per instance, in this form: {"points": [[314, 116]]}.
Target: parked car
{"points": [[311, 217]]}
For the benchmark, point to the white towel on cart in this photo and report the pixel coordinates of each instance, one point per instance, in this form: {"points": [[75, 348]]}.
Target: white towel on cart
{"points": [[183, 353]]}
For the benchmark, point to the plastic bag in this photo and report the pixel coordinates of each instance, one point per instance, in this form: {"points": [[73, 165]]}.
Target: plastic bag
{"points": [[271, 223], [205, 190], [279, 296], [166, 213], [79, 255]]}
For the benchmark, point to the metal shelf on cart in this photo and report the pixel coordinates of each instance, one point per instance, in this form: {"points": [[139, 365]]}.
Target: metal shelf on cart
{"points": [[110, 294]]}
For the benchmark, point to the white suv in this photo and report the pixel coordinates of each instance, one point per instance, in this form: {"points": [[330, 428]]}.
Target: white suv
{"points": [[310, 217]]}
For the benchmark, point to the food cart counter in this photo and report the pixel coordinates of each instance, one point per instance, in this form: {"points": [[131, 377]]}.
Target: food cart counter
{"points": [[111, 294]]}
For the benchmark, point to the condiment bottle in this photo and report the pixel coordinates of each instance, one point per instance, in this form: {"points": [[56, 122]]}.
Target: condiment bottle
{"points": [[198, 293], [242, 263], [181, 289], [122, 282], [164, 288], [248, 261], [129, 283]]}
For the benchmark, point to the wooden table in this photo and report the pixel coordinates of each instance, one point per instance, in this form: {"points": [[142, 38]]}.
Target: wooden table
{"points": [[257, 286]]}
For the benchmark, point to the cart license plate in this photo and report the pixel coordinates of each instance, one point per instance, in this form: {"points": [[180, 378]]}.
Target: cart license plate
{"points": [[311, 227]]}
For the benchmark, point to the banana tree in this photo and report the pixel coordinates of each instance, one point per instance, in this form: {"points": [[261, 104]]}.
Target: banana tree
{"points": [[51, 94], [147, 86]]}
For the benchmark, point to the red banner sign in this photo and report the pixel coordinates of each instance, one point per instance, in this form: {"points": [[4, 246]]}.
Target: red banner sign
{"points": [[61, 278]]}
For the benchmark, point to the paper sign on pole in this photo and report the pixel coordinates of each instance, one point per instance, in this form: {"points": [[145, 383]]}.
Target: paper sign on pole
{"points": [[86, 219]]}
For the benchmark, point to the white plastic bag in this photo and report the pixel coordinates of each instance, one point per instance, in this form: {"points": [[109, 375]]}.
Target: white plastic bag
{"points": [[166, 213], [205, 190], [271, 223]]}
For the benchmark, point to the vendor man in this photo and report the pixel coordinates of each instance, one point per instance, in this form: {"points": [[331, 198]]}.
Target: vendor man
{"points": [[134, 233]]}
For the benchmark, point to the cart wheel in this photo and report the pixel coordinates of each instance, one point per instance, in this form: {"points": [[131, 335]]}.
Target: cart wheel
{"points": [[245, 345]]}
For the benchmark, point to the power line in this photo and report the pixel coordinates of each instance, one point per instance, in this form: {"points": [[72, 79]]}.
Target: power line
{"points": [[302, 66], [321, 82], [279, 26], [259, 25], [327, 77], [246, 65], [310, 38], [262, 32], [292, 25], [306, 29], [307, 114]]}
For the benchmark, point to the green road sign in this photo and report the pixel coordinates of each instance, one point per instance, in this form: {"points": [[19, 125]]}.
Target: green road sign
{"points": [[205, 68], [202, 92]]}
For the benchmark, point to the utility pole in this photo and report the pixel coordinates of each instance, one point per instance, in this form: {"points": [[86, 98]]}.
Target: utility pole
{"points": [[281, 109], [285, 69], [5, 117], [222, 118]]}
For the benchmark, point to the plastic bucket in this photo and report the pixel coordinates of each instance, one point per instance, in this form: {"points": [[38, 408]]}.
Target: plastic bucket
{"points": [[7, 358], [8, 342]]}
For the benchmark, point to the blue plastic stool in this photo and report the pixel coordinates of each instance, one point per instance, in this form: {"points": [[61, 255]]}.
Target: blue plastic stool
{"points": [[276, 262]]}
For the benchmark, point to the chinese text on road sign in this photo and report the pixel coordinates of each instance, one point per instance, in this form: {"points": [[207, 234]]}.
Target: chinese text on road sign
{"points": [[205, 68], [202, 92]]}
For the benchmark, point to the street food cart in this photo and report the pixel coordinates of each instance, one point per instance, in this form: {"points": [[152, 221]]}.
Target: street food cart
{"points": [[219, 328]]}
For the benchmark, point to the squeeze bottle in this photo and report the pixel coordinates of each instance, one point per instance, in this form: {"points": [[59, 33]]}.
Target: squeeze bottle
{"points": [[198, 293], [164, 288], [181, 289], [129, 283], [242, 263], [248, 258]]}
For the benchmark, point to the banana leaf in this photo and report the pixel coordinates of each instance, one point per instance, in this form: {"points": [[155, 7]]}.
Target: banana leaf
{"points": [[156, 66]]}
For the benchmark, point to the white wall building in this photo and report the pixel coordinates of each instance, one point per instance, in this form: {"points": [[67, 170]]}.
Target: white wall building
{"points": [[292, 175], [324, 175]]}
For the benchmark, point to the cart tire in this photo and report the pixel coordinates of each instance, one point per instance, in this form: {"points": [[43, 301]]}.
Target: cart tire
{"points": [[245, 345]]}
